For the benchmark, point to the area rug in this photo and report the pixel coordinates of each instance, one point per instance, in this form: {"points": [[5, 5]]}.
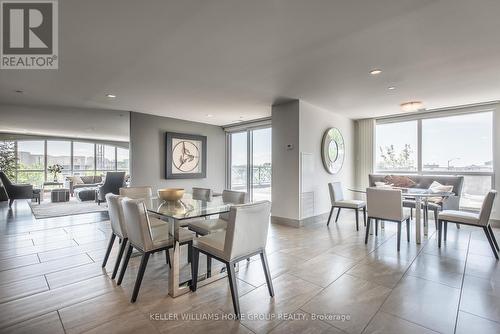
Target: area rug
{"points": [[47, 209]]}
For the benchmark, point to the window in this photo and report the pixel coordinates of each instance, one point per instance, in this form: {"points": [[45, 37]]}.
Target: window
{"points": [[122, 159], [83, 158], [31, 163], [105, 157], [59, 152], [396, 147], [239, 161], [452, 144], [34, 157]]}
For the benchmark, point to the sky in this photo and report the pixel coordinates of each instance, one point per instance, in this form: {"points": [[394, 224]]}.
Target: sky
{"points": [[261, 147]]}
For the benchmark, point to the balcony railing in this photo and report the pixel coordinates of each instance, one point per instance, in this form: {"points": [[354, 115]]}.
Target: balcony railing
{"points": [[261, 176]]}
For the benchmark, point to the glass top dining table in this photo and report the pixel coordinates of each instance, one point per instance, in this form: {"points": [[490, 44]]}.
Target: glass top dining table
{"points": [[176, 214], [421, 197]]}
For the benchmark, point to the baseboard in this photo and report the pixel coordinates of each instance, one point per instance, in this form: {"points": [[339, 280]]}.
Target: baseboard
{"points": [[299, 222]]}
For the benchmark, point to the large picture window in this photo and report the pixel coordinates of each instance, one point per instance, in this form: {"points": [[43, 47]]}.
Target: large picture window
{"points": [[450, 144], [34, 157]]}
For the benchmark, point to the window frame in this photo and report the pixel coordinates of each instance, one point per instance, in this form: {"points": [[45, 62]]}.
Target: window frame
{"points": [[430, 115]]}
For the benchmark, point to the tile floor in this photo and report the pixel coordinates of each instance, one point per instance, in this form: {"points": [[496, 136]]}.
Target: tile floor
{"points": [[326, 280]]}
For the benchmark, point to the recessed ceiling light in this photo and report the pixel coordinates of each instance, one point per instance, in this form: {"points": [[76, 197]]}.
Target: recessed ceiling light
{"points": [[391, 88], [412, 106], [210, 115], [375, 71], [19, 91], [111, 96]]}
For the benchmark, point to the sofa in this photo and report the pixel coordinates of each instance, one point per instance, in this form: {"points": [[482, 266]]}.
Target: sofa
{"points": [[88, 182], [423, 182]]}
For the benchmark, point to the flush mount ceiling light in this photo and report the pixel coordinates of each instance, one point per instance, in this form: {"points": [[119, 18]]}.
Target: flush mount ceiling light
{"points": [[19, 91], [375, 71], [210, 115], [111, 96], [412, 106], [391, 88]]}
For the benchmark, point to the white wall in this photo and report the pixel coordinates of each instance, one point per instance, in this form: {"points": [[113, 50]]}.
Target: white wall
{"points": [[68, 122], [147, 150], [314, 121], [285, 161], [302, 125], [496, 159]]}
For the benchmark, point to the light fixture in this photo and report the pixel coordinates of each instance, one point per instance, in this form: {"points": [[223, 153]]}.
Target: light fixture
{"points": [[412, 106], [375, 71], [111, 96], [391, 88], [19, 91], [210, 115]]}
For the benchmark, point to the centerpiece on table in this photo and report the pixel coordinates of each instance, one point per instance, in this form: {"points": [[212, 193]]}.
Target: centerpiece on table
{"points": [[55, 170]]}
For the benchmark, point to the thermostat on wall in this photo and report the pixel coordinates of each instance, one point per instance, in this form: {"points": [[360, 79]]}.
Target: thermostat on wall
{"points": [[289, 147]]}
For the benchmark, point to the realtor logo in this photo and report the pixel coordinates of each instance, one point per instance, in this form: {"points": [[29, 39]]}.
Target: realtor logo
{"points": [[29, 36]]}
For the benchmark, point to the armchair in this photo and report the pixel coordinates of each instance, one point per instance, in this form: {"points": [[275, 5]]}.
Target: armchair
{"points": [[112, 184], [16, 191]]}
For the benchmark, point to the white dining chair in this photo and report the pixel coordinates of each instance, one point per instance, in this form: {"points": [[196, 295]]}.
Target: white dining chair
{"points": [[117, 230], [206, 226], [202, 194], [338, 201], [145, 239], [386, 205], [137, 192], [245, 236], [481, 219]]}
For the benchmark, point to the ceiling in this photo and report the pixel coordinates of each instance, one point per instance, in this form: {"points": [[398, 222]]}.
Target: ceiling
{"points": [[234, 59]]}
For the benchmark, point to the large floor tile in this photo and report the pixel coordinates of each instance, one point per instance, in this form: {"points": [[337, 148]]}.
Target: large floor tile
{"points": [[440, 269], [352, 297], [128, 323], [481, 297], [469, 323], [256, 306], [389, 324], [426, 303], [279, 263], [302, 322], [18, 261], [22, 288], [45, 324]]}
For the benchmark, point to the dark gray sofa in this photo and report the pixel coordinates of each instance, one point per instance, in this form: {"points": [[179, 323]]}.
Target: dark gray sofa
{"points": [[423, 182]]}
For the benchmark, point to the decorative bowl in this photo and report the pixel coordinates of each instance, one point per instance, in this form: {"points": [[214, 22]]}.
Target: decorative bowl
{"points": [[171, 194]]}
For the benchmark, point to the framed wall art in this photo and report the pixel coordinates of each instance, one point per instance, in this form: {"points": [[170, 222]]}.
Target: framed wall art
{"points": [[185, 156]]}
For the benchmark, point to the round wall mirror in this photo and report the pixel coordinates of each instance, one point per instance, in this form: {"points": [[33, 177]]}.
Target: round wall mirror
{"points": [[333, 150]]}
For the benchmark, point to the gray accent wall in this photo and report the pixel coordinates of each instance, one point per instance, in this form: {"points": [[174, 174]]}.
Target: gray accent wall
{"points": [[147, 152]]}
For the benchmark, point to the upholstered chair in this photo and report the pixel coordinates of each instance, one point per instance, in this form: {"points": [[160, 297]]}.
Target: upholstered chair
{"points": [[16, 191], [206, 226], [202, 194], [136, 192], [117, 229], [145, 239], [245, 236], [386, 205], [338, 201], [481, 219], [112, 184]]}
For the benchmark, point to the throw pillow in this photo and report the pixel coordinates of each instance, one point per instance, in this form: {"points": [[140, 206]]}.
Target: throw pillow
{"points": [[399, 181], [437, 187], [77, 180]]}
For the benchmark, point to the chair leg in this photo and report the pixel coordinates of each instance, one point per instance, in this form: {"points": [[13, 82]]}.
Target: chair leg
{"points": [[376, 227], [330, 216], [411, 213], [440, 228], [490, 240], [125, 264], [10, 202], [364, 215], [436, 218], [357, 220], [140, 275], [367, 229], [209, 266], [190, 252], [108, 250], [408, 230], [338, 213], [458, 226], [493, 237], [265, 267], [167, 258], [445, 228], [119, 257], [194, 268], [399, 235], [234, 288]]}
